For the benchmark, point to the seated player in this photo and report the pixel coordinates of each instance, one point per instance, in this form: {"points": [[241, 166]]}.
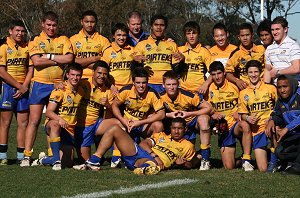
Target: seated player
{"points": [[94, 110], [61, 120], [181, 103], [256, 103], [223, 95], [154, 154], [285, 122]]}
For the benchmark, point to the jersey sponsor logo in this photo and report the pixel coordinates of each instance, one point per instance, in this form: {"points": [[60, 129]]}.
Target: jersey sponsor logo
{"points": [[170, 154], [69, 99], [148, 47], [193, 67], [136, 113], [214, 54], [9, 51], [125, 65], [91, 103], [16, 61], [159, 57], [113, 55], [226, 105], [68, 110], [42, 45], [261, 106], [87, 54], [158, 49]]}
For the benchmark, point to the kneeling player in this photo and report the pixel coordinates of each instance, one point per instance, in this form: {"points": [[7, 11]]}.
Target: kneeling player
{"points": [[156, 153], [223, 95], [61, 119]]}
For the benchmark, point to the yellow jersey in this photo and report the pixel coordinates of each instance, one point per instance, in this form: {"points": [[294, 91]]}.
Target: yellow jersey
{"points": [[222, 55]]}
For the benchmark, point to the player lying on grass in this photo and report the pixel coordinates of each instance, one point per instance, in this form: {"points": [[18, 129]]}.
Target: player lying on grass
{"points": [[159, 152]]}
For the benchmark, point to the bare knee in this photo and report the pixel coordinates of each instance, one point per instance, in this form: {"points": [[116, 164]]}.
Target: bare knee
{"points": [[203, 122], [157, 126]]}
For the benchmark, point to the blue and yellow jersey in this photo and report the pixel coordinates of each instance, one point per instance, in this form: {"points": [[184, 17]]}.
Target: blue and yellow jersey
{"points": [[67, 104], [222, 55], [239, 58], [168, 150], [85, 47], [90, 107], [224, 100], [159, 56], [138, 108], [197, 60], [15, 58], [43, 44], [259, 101], [119, 61], [185, 101]]}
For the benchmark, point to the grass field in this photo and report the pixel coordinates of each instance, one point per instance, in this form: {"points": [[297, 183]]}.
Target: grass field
{"points": [[217, 182]]}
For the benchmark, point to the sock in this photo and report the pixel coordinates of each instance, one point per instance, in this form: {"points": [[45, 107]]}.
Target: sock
{"points": [[20, 153], [27, 153], [3, 151], [55, 147], [245, 158], [205, 151], [273, 158], [116, 155], [95, 159]]}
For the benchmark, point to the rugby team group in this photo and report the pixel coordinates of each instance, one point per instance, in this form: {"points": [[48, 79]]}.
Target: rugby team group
{"points": [[147, 98]]}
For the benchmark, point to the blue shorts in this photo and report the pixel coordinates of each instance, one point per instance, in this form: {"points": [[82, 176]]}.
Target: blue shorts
{"points": [[260, 141], [40, 93], [140, 153], [136, 133], [65, 137], [191, 131], [7, 101], [84, 136], [157, 87], [227, 139]]}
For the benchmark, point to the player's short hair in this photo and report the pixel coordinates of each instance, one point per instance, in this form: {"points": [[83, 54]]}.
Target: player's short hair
{"points": [[139, 72], [89, 13], [246, 26], [15, 23], [50, 15], [191, 26], [134, 14], [119, 26], [282, 77], [171, 75], [101, 63], [264, 25], [180, 120], [254, 63], [281, 20], [74, 66], [220, 26], [215, 66], [158, 16]]}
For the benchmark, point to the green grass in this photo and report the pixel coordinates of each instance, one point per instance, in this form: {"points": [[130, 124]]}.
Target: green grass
{"points": [[16, 181]]}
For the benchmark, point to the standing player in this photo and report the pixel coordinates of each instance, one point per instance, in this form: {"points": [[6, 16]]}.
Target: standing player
{"points": [[157, 53], [236, 65], [256, 103], [181, 103], [136, 33], [88, 44], [119, 57], [61, 120], [48, 52], [223, 95], [283, 56], [264, 32], [16, 74], [197, 59]]}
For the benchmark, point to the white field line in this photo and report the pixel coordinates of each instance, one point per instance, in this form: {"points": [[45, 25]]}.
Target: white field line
{"points": [[142, 187]]}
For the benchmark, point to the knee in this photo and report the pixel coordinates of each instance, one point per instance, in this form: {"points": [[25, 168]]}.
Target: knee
{"points": [[203, 119], [157, 126], [245, 126], [34, 122], [228, 165]]}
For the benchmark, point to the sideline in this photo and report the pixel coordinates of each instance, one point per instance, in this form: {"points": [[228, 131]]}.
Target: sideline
{"points": [[142, 187]]}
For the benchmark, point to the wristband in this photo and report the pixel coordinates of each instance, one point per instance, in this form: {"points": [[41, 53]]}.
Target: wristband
{"points": [[48, 56], [247, 118], [52, 57]]}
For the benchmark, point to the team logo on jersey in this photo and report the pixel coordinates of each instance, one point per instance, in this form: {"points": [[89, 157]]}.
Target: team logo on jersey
{"points": [[69, 99], [161, 140], [9, 50], [78, 44], [42, 45], [243, 61], [246, 98], [148, 47], [127, 102], [211, 94], [113, 55]]}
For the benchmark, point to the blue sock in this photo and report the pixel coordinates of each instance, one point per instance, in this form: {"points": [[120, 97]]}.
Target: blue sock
{"points": [[49, 161], [95, 159], [115, 158], [3, 155], [55, 146], [20, 156], [205, 154], [273, 158], [3, 151]]}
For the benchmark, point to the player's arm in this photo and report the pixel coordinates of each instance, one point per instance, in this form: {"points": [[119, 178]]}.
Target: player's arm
{"points": [[147, 144], [29, 75], [294, 68], [50, 113], [203, 89], [204, 109], [238, 82], [117, 113], [87, 62], [159, 115], [11, 81]]}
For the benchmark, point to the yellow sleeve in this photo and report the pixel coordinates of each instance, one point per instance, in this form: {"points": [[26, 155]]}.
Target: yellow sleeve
{"points": [[106, 56], [34, 48], [105, 44], [190, 152], [196, 101], [242, 105], [232, 63], [56, 96], [156, 136], [73, 40], [110, 96], [157, 103], [122, 96], [175, 50], [139, 49], [3, 55], [68, 49], [208, 59]]}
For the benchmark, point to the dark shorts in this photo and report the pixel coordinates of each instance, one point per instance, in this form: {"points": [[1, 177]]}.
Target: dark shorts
{"points": [[7, 101], [40, 93]]}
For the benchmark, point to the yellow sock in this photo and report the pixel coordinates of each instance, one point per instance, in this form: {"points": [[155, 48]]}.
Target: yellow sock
{"points": [[246, 157], [56, 139], [50, 152], [27, 153], [272, 150], [116, 153], [205, 146]]}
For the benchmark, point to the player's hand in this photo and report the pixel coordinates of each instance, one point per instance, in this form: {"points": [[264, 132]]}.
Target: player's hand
{"points": [[62, 123], [252, 119], [241, 84], [133, 124], [183, 114], [139, 58], [160, 163], [104, 101], [203, 89], [218, 116], [178, 56], [114, 90], [172, 114], [273, 72], [18, 94], [236, 116], [180, 161], [59, 85], [125, 123], [281, 133], [270, 128], [170, 40]]}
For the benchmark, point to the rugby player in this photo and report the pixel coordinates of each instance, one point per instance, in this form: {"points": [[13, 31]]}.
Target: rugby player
{"points": [[119, 57], [283, 56], [16, 73], [264, 32], [61, 120], [256, 103], [159, 152], [88, 44], [157, 53], [223, 95], [197, 60], [236, 65], [48, 52], [136, 33], [195, 110]]}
